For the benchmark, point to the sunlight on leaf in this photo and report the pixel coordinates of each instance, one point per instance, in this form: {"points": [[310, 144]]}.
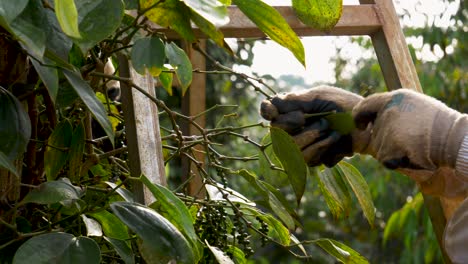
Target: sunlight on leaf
{"points": [[67, 16], [273, 25], [320, 14], [341, 252]]}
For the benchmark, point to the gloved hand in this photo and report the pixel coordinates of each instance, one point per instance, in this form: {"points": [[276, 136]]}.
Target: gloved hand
{"points": [[319, 143], [411, 130]]}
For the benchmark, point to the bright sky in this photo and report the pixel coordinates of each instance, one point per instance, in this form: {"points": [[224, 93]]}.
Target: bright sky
{"points": [[271, 58]]}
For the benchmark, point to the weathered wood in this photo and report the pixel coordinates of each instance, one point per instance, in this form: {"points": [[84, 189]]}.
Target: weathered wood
{"points": [[194, 102], [142, 128], [355, 20], [392, 51]]}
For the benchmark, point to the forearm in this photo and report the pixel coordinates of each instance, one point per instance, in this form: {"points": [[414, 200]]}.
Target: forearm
{"points": [[461, 165]]}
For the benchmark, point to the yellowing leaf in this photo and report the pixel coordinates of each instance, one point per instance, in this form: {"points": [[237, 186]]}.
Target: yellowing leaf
{"points": [[319, 14], [170, 13]]}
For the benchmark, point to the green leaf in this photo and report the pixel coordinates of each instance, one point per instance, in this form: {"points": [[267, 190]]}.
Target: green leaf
{"points": [[52, 192], [335, 192], [174, 210], [277, 230], [320, 14], [360, 189], [219, 255], [340, 251], [280, 208], [58, 248], [93, 228], [67, 16], [57, 42], [15, 127], [170, 13], [275, 177], [76, 153], [341, 122], [210, 10], [273, 25], [111, 225], [98, 19], [58, 144], [9, 10], [237, 254], [181, 63], [161, 241], [49, 77], [208, 28], [148, 53], [165, 78], [292, 160], [85, 92], [124, 193], [123, 249], [7, 164]]}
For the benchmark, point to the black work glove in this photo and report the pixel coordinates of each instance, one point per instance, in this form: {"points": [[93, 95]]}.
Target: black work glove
{"points": [[318, 142]]}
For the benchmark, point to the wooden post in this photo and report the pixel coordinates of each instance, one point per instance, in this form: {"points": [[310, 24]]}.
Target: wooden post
{"points": [[142, 128], [194, 102]]}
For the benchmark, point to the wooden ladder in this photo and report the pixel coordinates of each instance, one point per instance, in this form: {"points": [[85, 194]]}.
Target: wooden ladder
{"points": [[374, 18]]}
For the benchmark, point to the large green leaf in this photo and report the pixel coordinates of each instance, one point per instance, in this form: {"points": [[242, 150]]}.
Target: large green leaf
{"points": [[181, 63], [52, 192], [58, 248], [123, 249], [7, 164], [49, 77], [160, 239], [271, 198], [97, 20], [211, 10], [292, 160], [335, 192], [58, 145], [29, 26], [148, 53], [9, 10], [360, 189], [273, 25], [208, 28], [174, 210], [275, 177], [341, 252], [319, 14], [111, 225], [170, 13], [15, 127], [67, 16], [85, 92]]}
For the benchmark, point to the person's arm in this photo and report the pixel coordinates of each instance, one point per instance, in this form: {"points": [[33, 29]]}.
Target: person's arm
{"points": [[462, 160], [404, 130]]}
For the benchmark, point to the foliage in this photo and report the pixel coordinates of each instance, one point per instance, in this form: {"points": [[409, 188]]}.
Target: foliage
{"points": [[73, 198]]}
